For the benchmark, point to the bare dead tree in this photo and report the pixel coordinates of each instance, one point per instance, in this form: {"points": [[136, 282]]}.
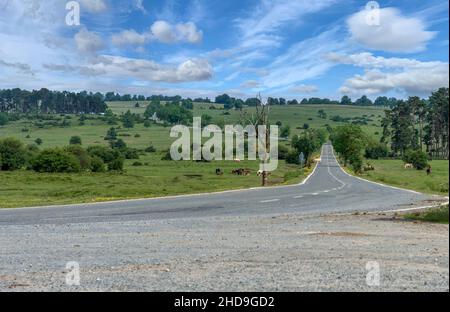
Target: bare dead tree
{"points": [[260, 118]]}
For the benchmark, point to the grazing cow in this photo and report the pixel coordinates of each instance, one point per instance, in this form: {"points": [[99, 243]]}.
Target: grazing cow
{"points": [[237, 160], [409, 166], [429, 170], [219, 172]]}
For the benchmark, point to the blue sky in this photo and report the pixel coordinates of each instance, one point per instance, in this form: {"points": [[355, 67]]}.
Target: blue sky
{"points": [[281, 48]]}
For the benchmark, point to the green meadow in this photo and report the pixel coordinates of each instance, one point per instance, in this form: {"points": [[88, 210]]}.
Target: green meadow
{"points": [[155, 177]]}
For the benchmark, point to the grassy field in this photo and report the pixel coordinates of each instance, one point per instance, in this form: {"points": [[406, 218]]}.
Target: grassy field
{"points": [[438, 215], [160, 178], [154, 179], [392, 172]]}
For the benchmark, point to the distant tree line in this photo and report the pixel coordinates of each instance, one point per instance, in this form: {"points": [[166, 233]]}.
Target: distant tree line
{"points": [[47, 102]]}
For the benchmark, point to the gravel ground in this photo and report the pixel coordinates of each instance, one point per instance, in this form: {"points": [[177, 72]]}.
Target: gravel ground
{"points": [[259, 253]]}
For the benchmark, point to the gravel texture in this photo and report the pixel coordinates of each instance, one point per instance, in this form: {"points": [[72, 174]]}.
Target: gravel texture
{"points": [[278, 252]]}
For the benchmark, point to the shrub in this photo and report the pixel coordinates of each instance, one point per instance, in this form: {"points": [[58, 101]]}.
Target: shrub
{"points": [[147, 124], [116, 164], [137, 135], [81, 154], [97, 164], [55, 160], [418, 158], [38, 141], [12, 154], [3, 119], [130, 153], [137, 164], [75, 140], [150, 149], [105, 153], [283, 152], [376, 150]]}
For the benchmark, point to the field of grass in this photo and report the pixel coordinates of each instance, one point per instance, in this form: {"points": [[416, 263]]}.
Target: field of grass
{"points": [[392, 172], [160, 178], [155, 178], [438, 215]]}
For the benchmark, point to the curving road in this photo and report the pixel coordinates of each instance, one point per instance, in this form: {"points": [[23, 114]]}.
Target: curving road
{"points": [[329, 189]]}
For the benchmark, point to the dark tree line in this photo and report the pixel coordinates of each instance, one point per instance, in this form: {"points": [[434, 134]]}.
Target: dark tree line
{"points": [[46, 101], [418, 124]]}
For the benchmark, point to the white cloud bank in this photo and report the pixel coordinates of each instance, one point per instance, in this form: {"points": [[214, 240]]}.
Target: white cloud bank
{"points": [[381, 75], [160, 31], [393, 33]]}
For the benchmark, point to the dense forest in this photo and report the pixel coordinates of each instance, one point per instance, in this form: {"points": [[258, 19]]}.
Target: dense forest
{"points": [[46, 101]]}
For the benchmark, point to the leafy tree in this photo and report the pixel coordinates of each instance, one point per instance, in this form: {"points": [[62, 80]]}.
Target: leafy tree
{"points": [[75, 140], [111, 134], [375, 150], [349, 142], [364, 101], [38, 141], [418, 158], [381, 101], [12, 154], [128, 120]]}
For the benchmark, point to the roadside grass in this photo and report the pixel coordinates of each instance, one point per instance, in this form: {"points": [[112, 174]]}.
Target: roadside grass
{"points": [[156, 178], [392, 172], [437, 215]]}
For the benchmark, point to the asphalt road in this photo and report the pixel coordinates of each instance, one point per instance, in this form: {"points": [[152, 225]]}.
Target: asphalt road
{"points": [[328, 190]]}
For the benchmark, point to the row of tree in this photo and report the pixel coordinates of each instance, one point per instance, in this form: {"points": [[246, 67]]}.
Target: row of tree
{"points": [[46, 101], [419, 124]]}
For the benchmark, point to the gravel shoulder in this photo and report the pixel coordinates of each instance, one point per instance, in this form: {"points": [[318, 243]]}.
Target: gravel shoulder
{"points": [[279, 252]]}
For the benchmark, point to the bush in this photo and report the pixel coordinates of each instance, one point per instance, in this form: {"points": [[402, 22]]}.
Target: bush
{"points": [[3, 119], [97, 164], [75, 140], [293, 157], [105, 153], [137, 164], [283, 152], [376, 150], [116, 164], [150, 149], [130, 153], [137, 135], [81, 154], [12, 154], [418, 158], [147, 124], [55, 160], [38, 141]]}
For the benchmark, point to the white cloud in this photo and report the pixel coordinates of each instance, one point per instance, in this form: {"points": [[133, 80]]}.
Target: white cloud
{"points": [[394, 32], [161, 31], [129, 37], [168, 33], [93, 6], [381, 75], [88, 42], [145, 70], [304, 89]]}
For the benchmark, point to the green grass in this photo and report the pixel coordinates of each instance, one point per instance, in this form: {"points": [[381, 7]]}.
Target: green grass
{"points": [[392, 172], [157, 178], [438, 215], [161, 178]]}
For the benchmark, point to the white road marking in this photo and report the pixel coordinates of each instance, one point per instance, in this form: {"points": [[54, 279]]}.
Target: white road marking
{"points": [[269, 201], [300, 196]]}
